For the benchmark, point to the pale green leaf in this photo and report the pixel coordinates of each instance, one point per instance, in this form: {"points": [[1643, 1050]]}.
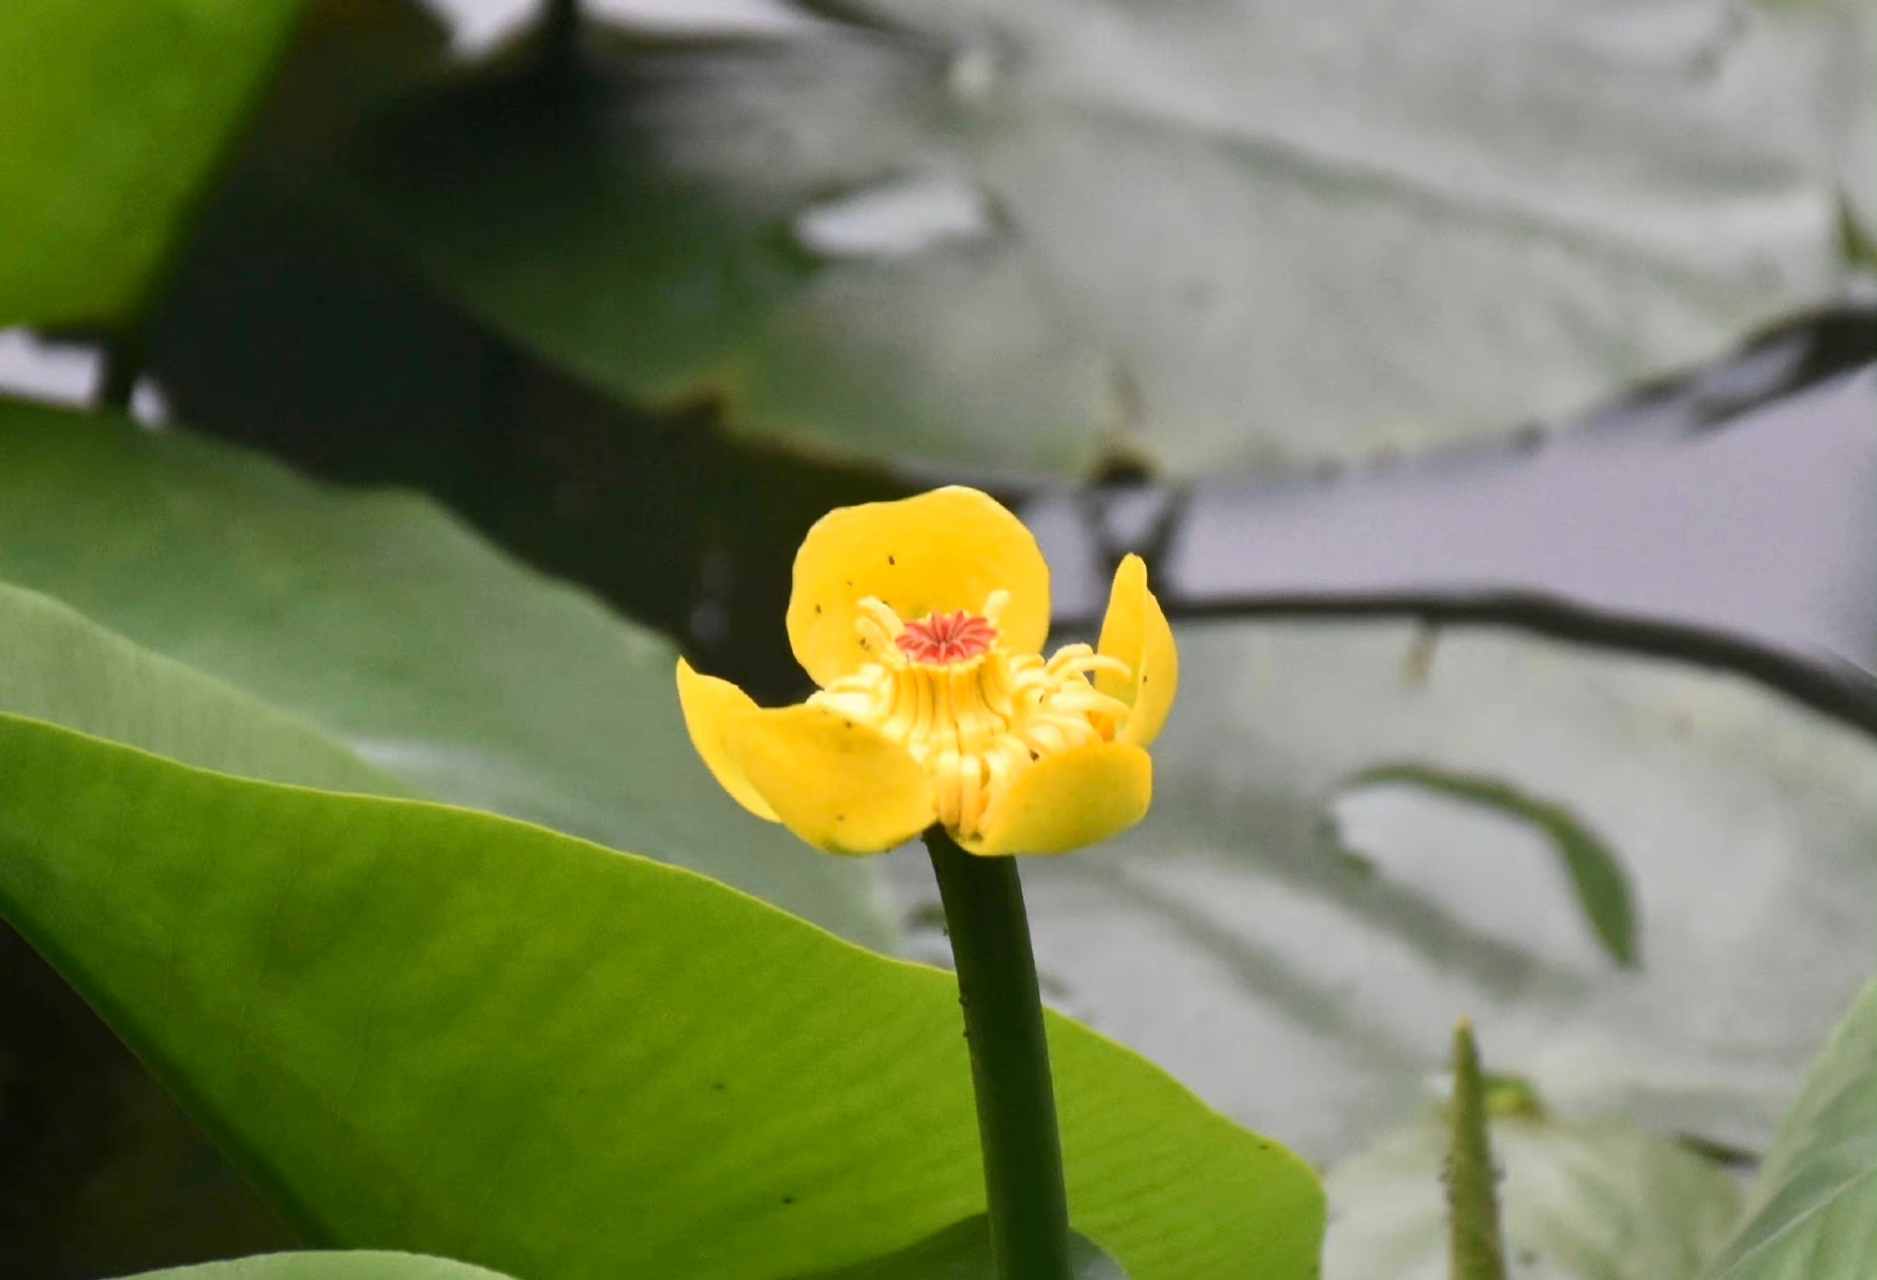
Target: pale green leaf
{"points": [[351, 1265], [377, 620], [62, 667], [1813, 1211]]}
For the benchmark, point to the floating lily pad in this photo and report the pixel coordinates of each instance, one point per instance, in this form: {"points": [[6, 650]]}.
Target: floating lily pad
{"points": [[1295, 950], [1029, 236]]}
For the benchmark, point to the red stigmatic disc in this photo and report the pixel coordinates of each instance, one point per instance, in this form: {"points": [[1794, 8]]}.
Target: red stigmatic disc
{"points": [[944, 638]]}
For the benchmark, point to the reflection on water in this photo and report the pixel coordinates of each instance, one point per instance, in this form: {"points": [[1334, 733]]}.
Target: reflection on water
{"points": [[1763, 526]]}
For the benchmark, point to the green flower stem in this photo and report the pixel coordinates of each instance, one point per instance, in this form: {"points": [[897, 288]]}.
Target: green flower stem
{"points": [[1029, 1210], [1476, 1252]]}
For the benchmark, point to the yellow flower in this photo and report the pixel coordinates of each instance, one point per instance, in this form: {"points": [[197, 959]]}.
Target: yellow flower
{"points": [[921, 620]]}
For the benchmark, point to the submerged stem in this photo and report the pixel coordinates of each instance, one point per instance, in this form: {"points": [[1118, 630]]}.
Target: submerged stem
{"points": [[1029, 1210], [122, 363], [560, 32]]}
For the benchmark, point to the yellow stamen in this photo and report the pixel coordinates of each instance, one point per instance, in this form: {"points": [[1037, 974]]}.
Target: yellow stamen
{"points": [[977, 723]]}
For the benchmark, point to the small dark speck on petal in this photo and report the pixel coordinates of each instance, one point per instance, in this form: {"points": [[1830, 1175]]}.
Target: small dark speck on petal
{"points": [[817, 608], [848, 581], [840, 817], [848, 723], [1036, 755], [891, 560]]}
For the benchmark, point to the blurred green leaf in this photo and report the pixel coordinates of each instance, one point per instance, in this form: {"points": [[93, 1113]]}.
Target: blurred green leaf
{"points": [[362, 1265], [440, 1030], [1813, 1211], [1582, 1201], [1227, 938], [376, 620], [1028, 236], [1849, 85], [113, 119], [1596, 872]]}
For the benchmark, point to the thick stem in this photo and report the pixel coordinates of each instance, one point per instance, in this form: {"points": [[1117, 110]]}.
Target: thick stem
{"points": [[1029, 1210]]}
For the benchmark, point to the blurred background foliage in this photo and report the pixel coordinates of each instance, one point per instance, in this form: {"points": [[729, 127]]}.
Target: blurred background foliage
{"points": [[633, 299]]}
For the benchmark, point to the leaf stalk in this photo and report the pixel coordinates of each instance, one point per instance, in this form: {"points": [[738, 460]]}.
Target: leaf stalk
{"points": [[1476, 1251]]}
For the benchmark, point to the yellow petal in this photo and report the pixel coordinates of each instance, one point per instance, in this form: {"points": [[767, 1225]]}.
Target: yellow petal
{"points": [[837, 784], [1070, 799], [1136, 632], [938, 552], [707, 703]]}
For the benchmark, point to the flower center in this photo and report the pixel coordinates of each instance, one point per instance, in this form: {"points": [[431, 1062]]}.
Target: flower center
{"points": [[945, 638], [972, 713]]}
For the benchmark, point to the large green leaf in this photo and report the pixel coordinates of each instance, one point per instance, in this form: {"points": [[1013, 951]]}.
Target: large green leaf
{"points": [[1021, 235], [379, 621], [1813, 1211], [1234, 939], [962, 1251], [433, 1029], [115, 118], [352, 1265], [1580, 1201], [138, 1185]]}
